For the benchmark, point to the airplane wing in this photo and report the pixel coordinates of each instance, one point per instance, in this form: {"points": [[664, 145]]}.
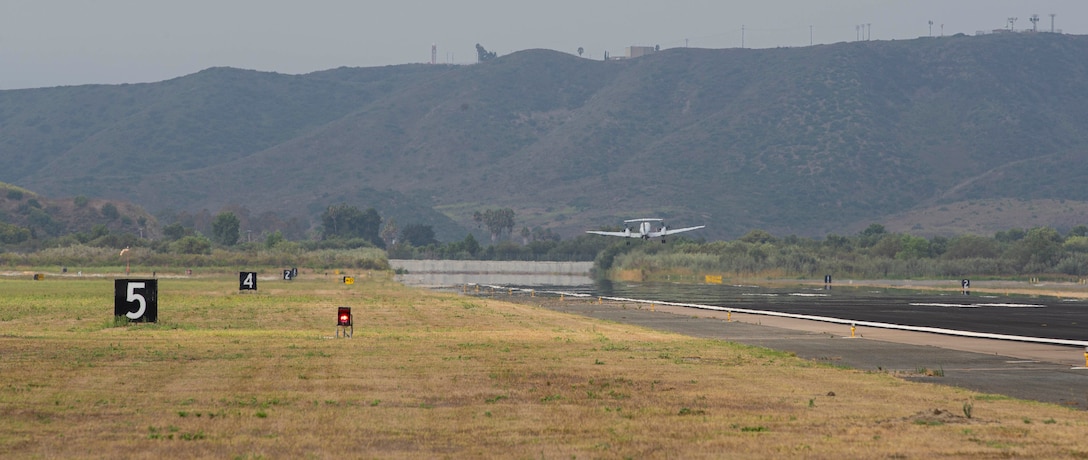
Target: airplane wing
{"points": [[672, 231], [621, 234]]}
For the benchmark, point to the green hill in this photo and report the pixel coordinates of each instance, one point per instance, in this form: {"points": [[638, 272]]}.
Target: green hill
{"points": [[25, 215], [806, 141]]}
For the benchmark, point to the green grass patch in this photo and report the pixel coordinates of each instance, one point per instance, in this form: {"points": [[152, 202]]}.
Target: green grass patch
{"points": [[424, 376]]}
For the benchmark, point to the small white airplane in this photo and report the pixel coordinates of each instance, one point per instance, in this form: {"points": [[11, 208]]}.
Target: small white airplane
{"points": [[645, 230]]}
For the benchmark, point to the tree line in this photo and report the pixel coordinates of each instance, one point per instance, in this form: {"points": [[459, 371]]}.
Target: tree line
{"points": [[342, 226], [871, 253]]}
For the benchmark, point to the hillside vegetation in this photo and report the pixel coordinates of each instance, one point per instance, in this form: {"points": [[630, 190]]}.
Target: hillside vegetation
{"points": [[27, 219], [806, 141]]}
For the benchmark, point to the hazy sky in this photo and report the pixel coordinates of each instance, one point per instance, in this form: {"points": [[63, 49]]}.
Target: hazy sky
{"points": [[72, 42]]}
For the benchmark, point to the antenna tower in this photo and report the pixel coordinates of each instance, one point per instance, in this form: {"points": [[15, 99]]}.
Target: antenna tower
{"points": [[434, 52], [1051, 22], [1034, 22], [1012, 24]]}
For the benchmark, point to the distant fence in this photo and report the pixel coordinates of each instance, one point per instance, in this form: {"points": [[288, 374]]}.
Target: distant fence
{"points": [[491, 266]]}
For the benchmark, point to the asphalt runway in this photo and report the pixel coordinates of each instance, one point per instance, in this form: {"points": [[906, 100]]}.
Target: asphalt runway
{"points": [[1043, 317], [1041, 372]]}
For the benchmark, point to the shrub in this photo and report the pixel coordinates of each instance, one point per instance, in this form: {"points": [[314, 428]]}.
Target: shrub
{"points": [[191, 245], [109, 210]]}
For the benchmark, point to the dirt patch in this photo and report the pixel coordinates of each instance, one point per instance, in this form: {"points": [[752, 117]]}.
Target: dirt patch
{"points": [[941, 417]]}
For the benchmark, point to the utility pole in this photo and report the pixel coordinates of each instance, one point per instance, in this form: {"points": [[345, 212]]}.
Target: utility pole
{"points": [[809, 35], [931, 28]]}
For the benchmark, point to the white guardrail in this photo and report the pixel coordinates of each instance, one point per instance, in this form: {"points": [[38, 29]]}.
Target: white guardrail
{"points": [[826, 319]]}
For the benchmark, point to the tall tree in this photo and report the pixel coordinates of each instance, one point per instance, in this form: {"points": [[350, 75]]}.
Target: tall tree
{"points": [[371, 228], [483, 54], [871, 235], [418, 235], [110, 211], [176, 231], [496, 221], [471, 245], [389, 232], [226, 229], [346, 221]]}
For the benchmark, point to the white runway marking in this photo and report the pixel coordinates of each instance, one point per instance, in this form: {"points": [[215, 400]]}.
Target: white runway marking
{"points": [[977, 305], [1011, 305], [950, 305]]}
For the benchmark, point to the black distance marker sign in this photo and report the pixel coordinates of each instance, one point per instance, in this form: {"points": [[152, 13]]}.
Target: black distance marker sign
{"points": [[247, 281], [137, 300]]}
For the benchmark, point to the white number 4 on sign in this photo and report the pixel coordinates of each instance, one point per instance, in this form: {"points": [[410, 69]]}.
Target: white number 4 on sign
{"points": [[247, 281]]}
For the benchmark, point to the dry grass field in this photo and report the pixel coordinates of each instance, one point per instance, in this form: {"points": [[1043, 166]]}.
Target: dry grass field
{"points": [[226, 374]]}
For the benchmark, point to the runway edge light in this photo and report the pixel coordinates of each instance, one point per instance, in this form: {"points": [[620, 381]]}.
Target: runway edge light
{"points": [[343, 322]]}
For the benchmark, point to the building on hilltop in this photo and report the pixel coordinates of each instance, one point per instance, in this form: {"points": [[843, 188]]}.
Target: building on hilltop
{"points": [[639, 51]]}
